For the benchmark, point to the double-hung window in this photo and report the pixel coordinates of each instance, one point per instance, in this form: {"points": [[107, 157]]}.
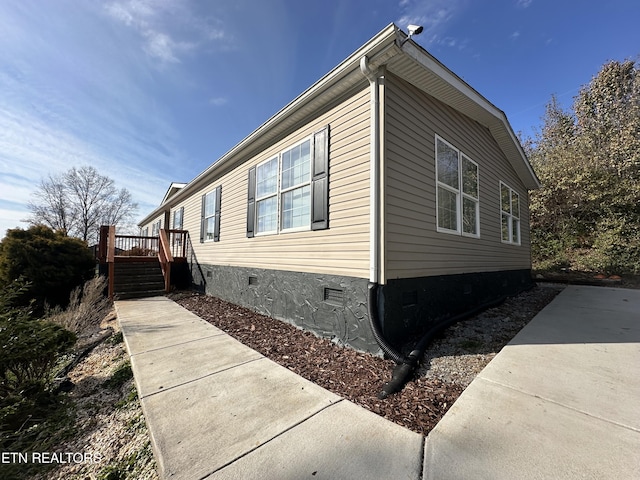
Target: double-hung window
{"points": [[155, 228], [295, 187], [210, 216], [289, 192], [267, 196], [509, 214], [178, 215], [457, 197], [283, 186]]}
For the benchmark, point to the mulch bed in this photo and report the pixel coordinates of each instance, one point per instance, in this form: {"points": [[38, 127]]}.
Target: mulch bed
{"points": [[356, 376]]}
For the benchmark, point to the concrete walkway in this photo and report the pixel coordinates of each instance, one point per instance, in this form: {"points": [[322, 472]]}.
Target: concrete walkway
{"points": [[561, 401]]}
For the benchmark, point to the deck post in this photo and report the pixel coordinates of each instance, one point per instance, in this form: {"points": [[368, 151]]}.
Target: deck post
{"points": [[111, 251], [166, 258]]}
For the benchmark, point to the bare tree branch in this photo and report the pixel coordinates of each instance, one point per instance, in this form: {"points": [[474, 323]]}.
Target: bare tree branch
{"points": [[79, 201]]}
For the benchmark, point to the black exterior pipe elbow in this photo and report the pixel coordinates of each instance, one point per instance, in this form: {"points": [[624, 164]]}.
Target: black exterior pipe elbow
{"points": [[406, 365]]}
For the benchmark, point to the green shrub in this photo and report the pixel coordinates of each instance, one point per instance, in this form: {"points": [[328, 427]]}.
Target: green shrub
{"points": [[30, 349], [51, 262]]}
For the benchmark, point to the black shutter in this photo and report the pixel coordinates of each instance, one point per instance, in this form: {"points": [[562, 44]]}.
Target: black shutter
{"points": [[202, 225], [216, 229], [251, 202], [320, 181]]}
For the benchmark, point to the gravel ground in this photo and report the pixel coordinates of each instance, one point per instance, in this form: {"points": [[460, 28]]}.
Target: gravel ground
{"points": [[108, 418], [450, 363]]}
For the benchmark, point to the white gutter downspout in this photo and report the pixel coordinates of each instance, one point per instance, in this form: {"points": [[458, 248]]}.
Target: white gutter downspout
{"points": [[374, 172]]}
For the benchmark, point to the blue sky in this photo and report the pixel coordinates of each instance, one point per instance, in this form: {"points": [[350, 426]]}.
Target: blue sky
{"points": [[151, 92]]}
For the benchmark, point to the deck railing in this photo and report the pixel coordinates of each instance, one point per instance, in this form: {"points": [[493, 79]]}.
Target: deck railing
{"points": [[167, 246]]}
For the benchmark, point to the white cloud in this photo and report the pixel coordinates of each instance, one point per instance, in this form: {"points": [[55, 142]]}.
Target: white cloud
{"points": [[163, 47], [524, 3], [218, 101], [167, 29], [515, 35], [12, 218], [433, 16]]}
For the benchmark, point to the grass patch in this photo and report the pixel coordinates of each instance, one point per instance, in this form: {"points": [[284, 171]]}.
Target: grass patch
{"points": [[116, 339], [121, 376], [128, 468], [131, 397]]}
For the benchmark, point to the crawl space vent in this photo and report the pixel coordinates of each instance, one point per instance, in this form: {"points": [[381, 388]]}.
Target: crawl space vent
{"points": [[334, 296]]}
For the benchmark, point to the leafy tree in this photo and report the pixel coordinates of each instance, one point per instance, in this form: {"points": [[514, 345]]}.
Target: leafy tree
{"points": [[77, 202], [587, 215], [51, 262]]}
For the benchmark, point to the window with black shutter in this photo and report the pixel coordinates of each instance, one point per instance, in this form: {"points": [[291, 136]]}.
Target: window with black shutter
{"points": [[290, 192]]}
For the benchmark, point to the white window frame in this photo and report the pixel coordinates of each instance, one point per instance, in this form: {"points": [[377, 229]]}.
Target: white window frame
{"points": [[155, 228], [280, 191], [207, 217], [459, 193], [510, 216], [267, 196], [179, 213]]}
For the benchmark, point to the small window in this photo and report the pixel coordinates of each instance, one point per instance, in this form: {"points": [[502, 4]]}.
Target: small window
{"points": [[457, 197], [210, 216], [177, 218], [155, 228], [509, 215]]}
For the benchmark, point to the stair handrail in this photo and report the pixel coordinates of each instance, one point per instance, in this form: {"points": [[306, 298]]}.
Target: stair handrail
{"points": [[166, 258]]}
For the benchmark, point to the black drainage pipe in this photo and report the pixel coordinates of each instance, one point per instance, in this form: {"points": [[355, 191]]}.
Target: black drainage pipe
{"points": [[405, 365]]}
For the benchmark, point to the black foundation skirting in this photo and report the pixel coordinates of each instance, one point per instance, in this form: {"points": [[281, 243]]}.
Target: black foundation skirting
{"points": [[410, 306]]}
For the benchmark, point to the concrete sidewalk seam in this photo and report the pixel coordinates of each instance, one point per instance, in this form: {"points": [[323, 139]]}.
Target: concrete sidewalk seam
{"points": [[168, 389], [177, 344], [573, 409], [272, 438], [423, 452]]}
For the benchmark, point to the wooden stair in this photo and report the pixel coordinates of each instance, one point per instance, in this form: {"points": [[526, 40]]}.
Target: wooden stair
{"points": [[138, 279]]}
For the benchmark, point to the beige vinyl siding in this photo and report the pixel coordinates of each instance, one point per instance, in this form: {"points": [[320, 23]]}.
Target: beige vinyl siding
{"points": [[149, 225], [343, 249], [413, 247]]}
